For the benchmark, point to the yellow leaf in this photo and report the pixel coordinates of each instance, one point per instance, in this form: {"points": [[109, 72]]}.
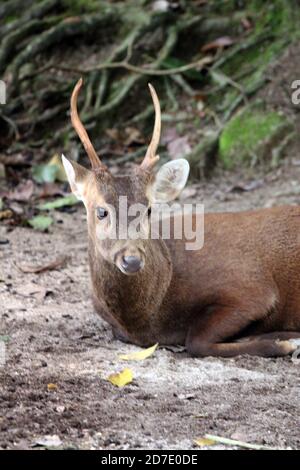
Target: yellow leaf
{"points": [[122, 378], [60, 174], [51, 387], [204, 442], [139, 355]]}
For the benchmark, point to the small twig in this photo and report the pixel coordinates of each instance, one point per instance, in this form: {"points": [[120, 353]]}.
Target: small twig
{"points": [[247, 92], [131, 156], [101, 89], [170, 94], [39, 268], [179, 80], [12, 124], [233, 442], [139, 70]]}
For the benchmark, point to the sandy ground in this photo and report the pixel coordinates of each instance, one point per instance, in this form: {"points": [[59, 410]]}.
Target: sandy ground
{"points": [[53, 336]]}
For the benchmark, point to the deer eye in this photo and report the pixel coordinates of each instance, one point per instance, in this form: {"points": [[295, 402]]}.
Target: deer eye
{"points": [[101, 213]]}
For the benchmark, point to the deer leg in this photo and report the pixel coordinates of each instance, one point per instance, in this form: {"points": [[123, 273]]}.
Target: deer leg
{"points": [[208, 334], [277, 335], [119, 335]]}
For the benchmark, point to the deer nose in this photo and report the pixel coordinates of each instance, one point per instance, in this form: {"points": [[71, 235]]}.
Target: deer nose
{"points": [[131, 264]]}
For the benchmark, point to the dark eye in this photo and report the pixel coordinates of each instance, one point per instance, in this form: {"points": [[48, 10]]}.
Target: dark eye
{"points": [[149, 211], [101, 213]]}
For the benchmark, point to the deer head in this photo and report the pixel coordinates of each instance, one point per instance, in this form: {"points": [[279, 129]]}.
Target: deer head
{"points": [[100, 191]]}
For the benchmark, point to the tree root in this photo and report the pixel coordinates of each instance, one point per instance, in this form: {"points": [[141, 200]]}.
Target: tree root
{"points": [[150, 44]]}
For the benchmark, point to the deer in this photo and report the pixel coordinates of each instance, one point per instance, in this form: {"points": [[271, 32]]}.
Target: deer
{"points": [[239, 294]]}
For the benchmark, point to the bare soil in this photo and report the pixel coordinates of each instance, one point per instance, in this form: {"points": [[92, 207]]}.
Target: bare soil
{"points": [[54, 337]]}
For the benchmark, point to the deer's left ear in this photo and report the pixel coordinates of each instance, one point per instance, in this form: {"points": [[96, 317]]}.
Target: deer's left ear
{"points": [[77, 176], [169, 181]]}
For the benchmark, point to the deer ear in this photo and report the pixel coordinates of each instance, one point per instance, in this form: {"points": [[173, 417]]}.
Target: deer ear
{"points": [[170, 180], [77, 176]]}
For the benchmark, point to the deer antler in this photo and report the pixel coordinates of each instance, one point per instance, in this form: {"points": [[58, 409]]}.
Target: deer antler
{"points": [[151, 158], [79, 128]]}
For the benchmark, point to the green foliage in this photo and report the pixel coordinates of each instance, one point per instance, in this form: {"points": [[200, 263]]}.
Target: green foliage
{"points": [[59, 202], [40, 222], [243, 137], [44, 173]]}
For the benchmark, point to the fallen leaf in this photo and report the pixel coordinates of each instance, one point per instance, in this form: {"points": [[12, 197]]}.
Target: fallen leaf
{"points": [[50, 172], [113, 134], [22, 192], [223, 41], [40, 222], [48, 441], [60, 171], [139, 355], [121, 379], [44, 173], [203, 442], [133, 136], [16, 208], [6, 214], [30, 268], [52, 387], [50, 190], [4, 338], [232, 442], [69, 200]]}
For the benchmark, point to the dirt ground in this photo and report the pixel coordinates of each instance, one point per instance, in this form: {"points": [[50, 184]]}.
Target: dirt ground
{"points": [[53, 336]]}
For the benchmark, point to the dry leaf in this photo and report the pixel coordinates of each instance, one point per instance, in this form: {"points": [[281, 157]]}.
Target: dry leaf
{"points": [[6, 214], [50, 190], [22, 192], [30, 268], [60, 172], [203, 442], [223, 41], [139, 355], [133, 136], [113, 134], [52, 387], [122, 378]]}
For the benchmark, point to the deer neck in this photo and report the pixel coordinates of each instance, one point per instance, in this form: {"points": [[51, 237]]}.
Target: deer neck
{"points": [[132, 301]]}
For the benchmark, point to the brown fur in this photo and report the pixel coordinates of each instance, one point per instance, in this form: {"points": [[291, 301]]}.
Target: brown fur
{"points": [[244, 281]]}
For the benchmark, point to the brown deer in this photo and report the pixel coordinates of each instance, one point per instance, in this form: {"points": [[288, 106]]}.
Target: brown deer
{"points": [[238, 294]]}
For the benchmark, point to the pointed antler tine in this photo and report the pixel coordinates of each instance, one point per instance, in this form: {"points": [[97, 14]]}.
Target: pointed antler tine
{"points": [[82, 133], [151, 158]]}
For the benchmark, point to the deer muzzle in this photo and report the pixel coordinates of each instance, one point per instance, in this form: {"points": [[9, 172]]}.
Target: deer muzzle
{"points": [[130, 261]]}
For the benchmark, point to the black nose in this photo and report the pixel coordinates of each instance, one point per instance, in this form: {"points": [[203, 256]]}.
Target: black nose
{"points": [[131, 264]]}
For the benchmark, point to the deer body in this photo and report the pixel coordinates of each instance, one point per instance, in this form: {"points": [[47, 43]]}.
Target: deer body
{"points": [[257, 278], [238, 294]]}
